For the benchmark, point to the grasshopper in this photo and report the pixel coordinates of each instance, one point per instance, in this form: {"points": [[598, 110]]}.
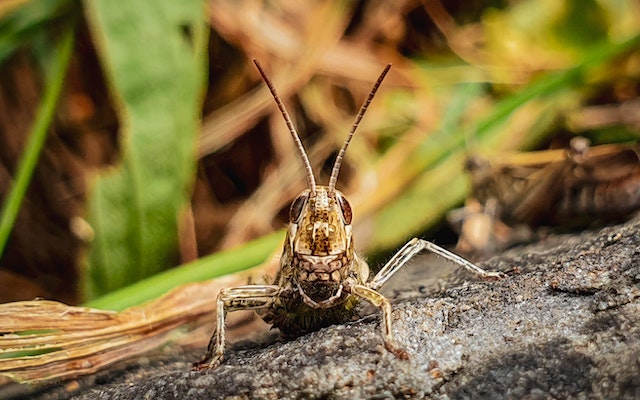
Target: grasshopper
{"points": [[570, 188], [573, 187], [321, 277]]}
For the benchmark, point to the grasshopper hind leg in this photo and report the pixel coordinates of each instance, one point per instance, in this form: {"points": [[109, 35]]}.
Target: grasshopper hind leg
{"points": [[415, 246]]}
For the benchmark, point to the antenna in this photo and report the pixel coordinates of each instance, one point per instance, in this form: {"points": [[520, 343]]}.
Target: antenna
{"points": [[336, 165], [311, 181]]}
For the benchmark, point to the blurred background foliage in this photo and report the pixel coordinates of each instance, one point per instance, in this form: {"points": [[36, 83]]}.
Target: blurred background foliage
{"points": [[137, 135]]}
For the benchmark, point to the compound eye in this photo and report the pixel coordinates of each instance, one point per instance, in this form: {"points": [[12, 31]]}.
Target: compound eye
{"points": [[295, 212], [345, 208]]}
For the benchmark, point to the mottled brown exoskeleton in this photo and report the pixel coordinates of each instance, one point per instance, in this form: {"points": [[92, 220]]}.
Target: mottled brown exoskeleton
{"points": [[321, 278]]}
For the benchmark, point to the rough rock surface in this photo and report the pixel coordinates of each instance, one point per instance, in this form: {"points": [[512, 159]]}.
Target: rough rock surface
{"points": [[564, 324]]}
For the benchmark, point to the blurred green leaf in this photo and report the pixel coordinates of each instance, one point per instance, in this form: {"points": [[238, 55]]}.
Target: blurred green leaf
{"points": [[29, 21], [582, 23], [154, 55]]}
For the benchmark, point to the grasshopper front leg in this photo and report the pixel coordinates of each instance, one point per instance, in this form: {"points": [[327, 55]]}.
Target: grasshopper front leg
{"points": [[384, 305], [249, 297]]}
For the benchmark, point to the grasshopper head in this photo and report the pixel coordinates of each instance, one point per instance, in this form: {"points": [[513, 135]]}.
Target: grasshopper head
{"points": [[320, 235]]}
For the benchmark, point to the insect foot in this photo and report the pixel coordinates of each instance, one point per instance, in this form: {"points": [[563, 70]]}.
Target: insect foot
{"points": [[208, 363], [397, 351]]}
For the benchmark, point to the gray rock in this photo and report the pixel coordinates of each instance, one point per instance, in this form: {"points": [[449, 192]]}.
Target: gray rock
{"points": [[564, 324]]}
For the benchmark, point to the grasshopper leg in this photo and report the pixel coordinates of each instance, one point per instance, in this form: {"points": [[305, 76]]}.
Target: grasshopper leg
{"points": [[384, 305], [249, 297], [415, 246]]}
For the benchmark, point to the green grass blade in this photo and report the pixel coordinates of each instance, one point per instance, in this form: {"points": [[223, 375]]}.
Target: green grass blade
{"points": [[213, 266], [37, 136]]}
